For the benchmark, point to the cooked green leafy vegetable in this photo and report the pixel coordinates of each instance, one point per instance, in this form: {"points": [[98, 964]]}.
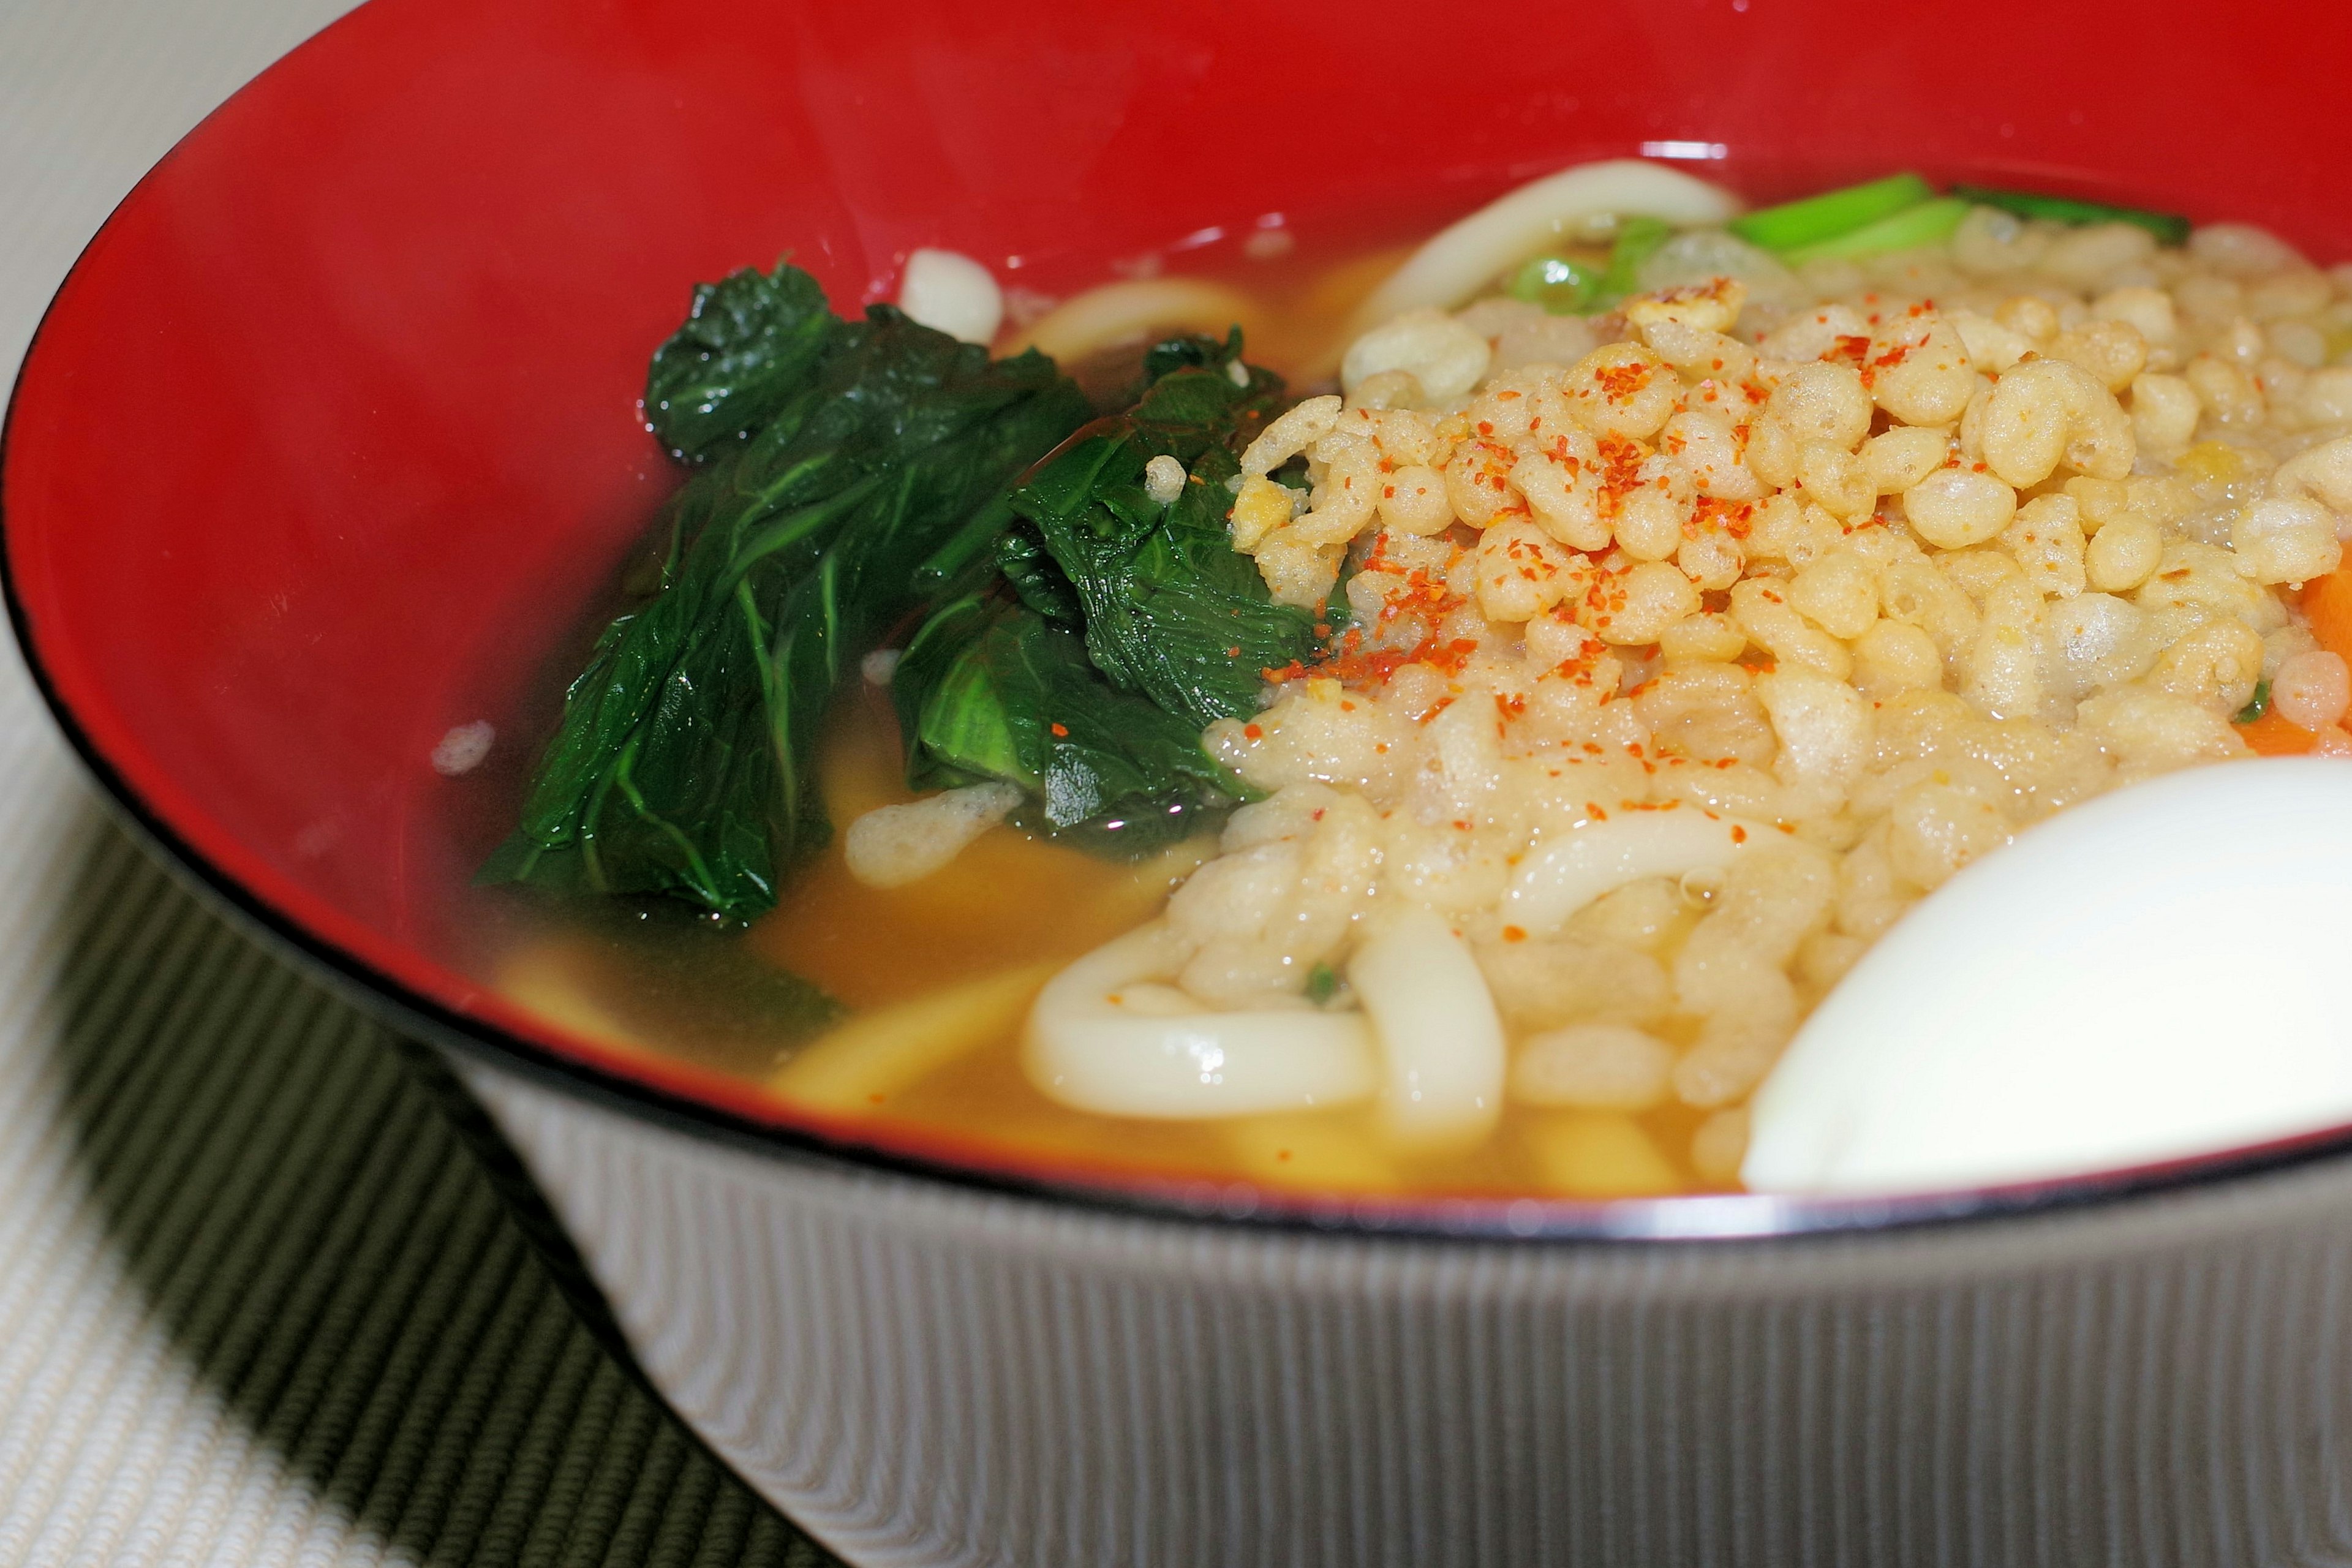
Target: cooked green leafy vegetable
{"points": [[850, 478], [1117, 626], [1832, 213], [991, 689], [1168, 608], [748, 346], [837, 457], [2169, 228]]}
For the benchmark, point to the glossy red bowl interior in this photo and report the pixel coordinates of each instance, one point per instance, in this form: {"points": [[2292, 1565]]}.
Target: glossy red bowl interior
{"points": [[333, 429]]}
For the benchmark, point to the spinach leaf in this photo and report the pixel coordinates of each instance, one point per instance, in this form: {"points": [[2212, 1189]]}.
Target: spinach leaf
{"points": [[748, 344], [685, 761], [991, 689], [1170, 609]]}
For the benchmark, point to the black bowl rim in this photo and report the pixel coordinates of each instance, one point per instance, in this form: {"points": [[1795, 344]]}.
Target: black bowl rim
{"points": [[1736, 1217]]}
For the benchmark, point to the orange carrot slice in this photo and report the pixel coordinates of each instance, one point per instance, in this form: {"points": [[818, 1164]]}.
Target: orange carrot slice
{"points": [[2272, 736], [2327, 604]]}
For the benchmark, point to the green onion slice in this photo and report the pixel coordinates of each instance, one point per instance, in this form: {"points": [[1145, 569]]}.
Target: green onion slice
{"points": [[1563, 287], [1638, 239], [2257, 706], [2169, 228], [1794, 225], [1924, 223]]}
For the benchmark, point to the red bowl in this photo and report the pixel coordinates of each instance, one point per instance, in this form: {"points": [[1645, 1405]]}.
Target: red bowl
{"points": [[334, 426]]}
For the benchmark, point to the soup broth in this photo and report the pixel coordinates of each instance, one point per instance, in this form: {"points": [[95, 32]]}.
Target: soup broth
{"points": [[1874, 635]]}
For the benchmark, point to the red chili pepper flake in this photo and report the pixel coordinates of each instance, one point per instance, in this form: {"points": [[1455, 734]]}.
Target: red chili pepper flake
{"points": [[1592, 809], [1250, 731], [1232, 653], [1738, 834], [1514, 933], [1620, 466], [1621, 382], [1060, 731]]}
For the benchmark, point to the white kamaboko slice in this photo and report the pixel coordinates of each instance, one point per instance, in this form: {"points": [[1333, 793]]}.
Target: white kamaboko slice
{"points": [[1129, 312], [1571, 869], [955, 294], [892, 845], [1441, 1042], [1460, 260], [1089, 1048]]}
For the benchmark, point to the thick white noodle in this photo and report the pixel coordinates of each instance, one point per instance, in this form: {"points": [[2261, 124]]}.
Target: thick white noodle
{"points": [[1130, 312], [1460, 260], [1569, 869], [856, 1068], [1086, 1050], [1440, 1040]]}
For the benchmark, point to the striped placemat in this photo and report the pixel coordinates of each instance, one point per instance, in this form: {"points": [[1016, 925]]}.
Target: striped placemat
{"points": [[260, 1302]]}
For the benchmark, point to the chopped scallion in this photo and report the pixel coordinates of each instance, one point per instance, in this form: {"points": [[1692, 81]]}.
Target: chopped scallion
{"points": [[1560, 286], [2169, 228], [1638, 239], [1322, 984], [1923, 223], [2259, 705], [1794, 225]]}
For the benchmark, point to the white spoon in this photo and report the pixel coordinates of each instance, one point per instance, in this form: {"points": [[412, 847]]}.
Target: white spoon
{"points": [[2163, 972]]}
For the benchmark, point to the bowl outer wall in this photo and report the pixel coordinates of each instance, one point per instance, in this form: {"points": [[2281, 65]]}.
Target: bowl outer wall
{"points": [[333, 425]]}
